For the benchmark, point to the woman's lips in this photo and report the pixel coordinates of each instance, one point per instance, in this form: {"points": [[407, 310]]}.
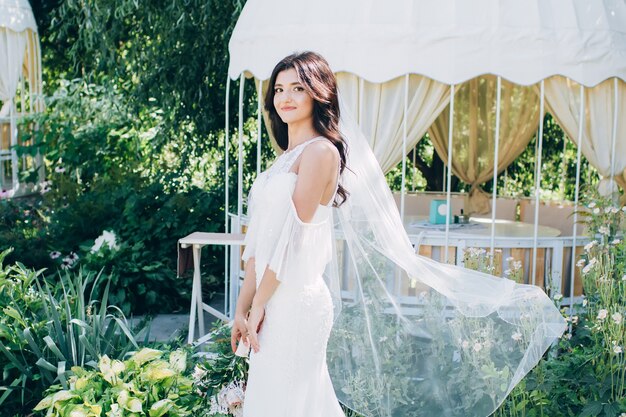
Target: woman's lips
{"points": [[287, 108]]}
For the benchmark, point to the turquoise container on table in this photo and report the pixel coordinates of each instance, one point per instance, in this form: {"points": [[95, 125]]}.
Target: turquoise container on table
{"points": [[438, 210]]}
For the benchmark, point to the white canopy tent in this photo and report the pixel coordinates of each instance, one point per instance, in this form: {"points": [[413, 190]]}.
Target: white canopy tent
{"points": [[20, 85], [400, 64]]}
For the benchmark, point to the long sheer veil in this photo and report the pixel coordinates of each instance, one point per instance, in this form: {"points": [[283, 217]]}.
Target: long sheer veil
{"points": [[454, 345]]}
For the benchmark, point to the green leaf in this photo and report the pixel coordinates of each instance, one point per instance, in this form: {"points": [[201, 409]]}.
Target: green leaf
{"points": [[592, 408], [160, 408]]}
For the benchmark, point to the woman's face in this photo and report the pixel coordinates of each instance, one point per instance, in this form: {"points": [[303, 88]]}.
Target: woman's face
{"points": [[292, 102]]}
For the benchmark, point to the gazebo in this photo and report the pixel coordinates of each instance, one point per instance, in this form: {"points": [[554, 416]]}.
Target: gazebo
{"points": [[20, 89], [479, 77]]}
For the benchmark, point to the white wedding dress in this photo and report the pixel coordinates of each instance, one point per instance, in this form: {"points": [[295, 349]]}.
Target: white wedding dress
{"points": [[289, 377]]}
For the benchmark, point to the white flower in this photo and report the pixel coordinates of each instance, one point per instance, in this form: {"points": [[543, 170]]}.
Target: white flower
{"points": [[592, 204], [596, 210], [383, 339], [73, 257], [590, 245], [55, 254], [590, 265], [574, 319], [580, 263], [617, 318], [604, 230], [602, 314], [508, 272], [477, 347], [59, 169], [198, 373], [558, 297], [568, 336], [106, 237], [585, 302], [624, 210], [517, 336], [608, 209], [624, 277], [616, 242], [517, 265], [465, 344], [614, 210], [618, 350]]}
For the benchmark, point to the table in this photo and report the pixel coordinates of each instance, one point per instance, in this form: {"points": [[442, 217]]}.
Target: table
{"points": [[481, 227], [196, 241]]}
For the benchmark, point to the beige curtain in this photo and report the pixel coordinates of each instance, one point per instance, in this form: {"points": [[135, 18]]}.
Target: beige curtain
{"points": [[563, 100], [474, 132], [379, 110]]}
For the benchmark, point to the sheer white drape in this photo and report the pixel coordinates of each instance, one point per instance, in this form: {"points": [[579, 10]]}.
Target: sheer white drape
{"points": [[563, 100], [474, 132], [12, 49], [379, 109]]}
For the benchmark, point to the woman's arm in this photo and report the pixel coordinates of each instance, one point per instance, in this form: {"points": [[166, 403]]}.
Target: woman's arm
{"points": [[244, 301]]}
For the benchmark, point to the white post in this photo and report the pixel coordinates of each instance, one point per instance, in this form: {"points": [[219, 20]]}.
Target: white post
{"points": [[495, 170], [259, 123], [226, 157], [449, 171], [13, 136], [242, 81], [226, 183], [614, 138], [538, 179], [581, 123], [404, 132]]}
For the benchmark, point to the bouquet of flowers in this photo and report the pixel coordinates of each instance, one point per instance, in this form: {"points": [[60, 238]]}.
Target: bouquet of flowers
{"points": [[221, 377]]}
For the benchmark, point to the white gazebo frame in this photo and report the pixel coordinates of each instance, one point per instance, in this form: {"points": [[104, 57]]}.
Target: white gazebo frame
{"points": [[258, 43]]}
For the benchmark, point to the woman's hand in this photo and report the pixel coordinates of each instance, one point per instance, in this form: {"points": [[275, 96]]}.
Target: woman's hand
{"points": [[255, 319], [238, 331]]}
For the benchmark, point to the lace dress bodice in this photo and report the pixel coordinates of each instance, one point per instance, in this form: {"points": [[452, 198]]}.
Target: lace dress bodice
{"points": [[276, 237]]}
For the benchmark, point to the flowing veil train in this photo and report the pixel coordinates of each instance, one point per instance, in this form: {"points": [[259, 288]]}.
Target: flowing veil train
{"points": [[457, 348]]}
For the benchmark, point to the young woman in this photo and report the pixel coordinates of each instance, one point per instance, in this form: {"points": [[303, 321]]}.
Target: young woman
{"points": [[284, 311], [455, 349]]}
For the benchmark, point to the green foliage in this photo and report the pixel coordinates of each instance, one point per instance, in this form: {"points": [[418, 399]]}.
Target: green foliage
{"points": [[148, 219], [585, 374], [44, 331], [166, 55], [23, 227], [150, 383]]}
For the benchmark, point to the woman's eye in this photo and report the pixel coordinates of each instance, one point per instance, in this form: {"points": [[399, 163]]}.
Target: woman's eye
{"points": [[298, 89], [278, 90]]}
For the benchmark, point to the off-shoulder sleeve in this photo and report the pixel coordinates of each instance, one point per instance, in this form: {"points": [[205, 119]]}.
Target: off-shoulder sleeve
{"points": [[277, 238]]}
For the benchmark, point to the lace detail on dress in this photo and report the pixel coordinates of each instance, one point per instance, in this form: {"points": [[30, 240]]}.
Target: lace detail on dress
{"points": [[285, 161]]}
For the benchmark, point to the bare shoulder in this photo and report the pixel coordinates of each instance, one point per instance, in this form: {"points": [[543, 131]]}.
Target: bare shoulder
{"points": [[321, 152]]}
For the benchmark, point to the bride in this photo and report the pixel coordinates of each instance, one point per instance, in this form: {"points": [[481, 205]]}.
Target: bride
{"points": [[285, 311], [456, 346]]}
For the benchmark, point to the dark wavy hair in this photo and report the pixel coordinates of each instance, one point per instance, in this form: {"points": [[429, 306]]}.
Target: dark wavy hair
{"points": [[319, 81]]}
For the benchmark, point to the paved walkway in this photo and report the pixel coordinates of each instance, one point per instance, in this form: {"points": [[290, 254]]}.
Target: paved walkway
{"points": [[168, 326]]}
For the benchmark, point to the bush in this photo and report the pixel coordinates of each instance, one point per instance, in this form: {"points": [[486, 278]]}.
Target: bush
{"points": [[46, 330], [150, 382]]}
